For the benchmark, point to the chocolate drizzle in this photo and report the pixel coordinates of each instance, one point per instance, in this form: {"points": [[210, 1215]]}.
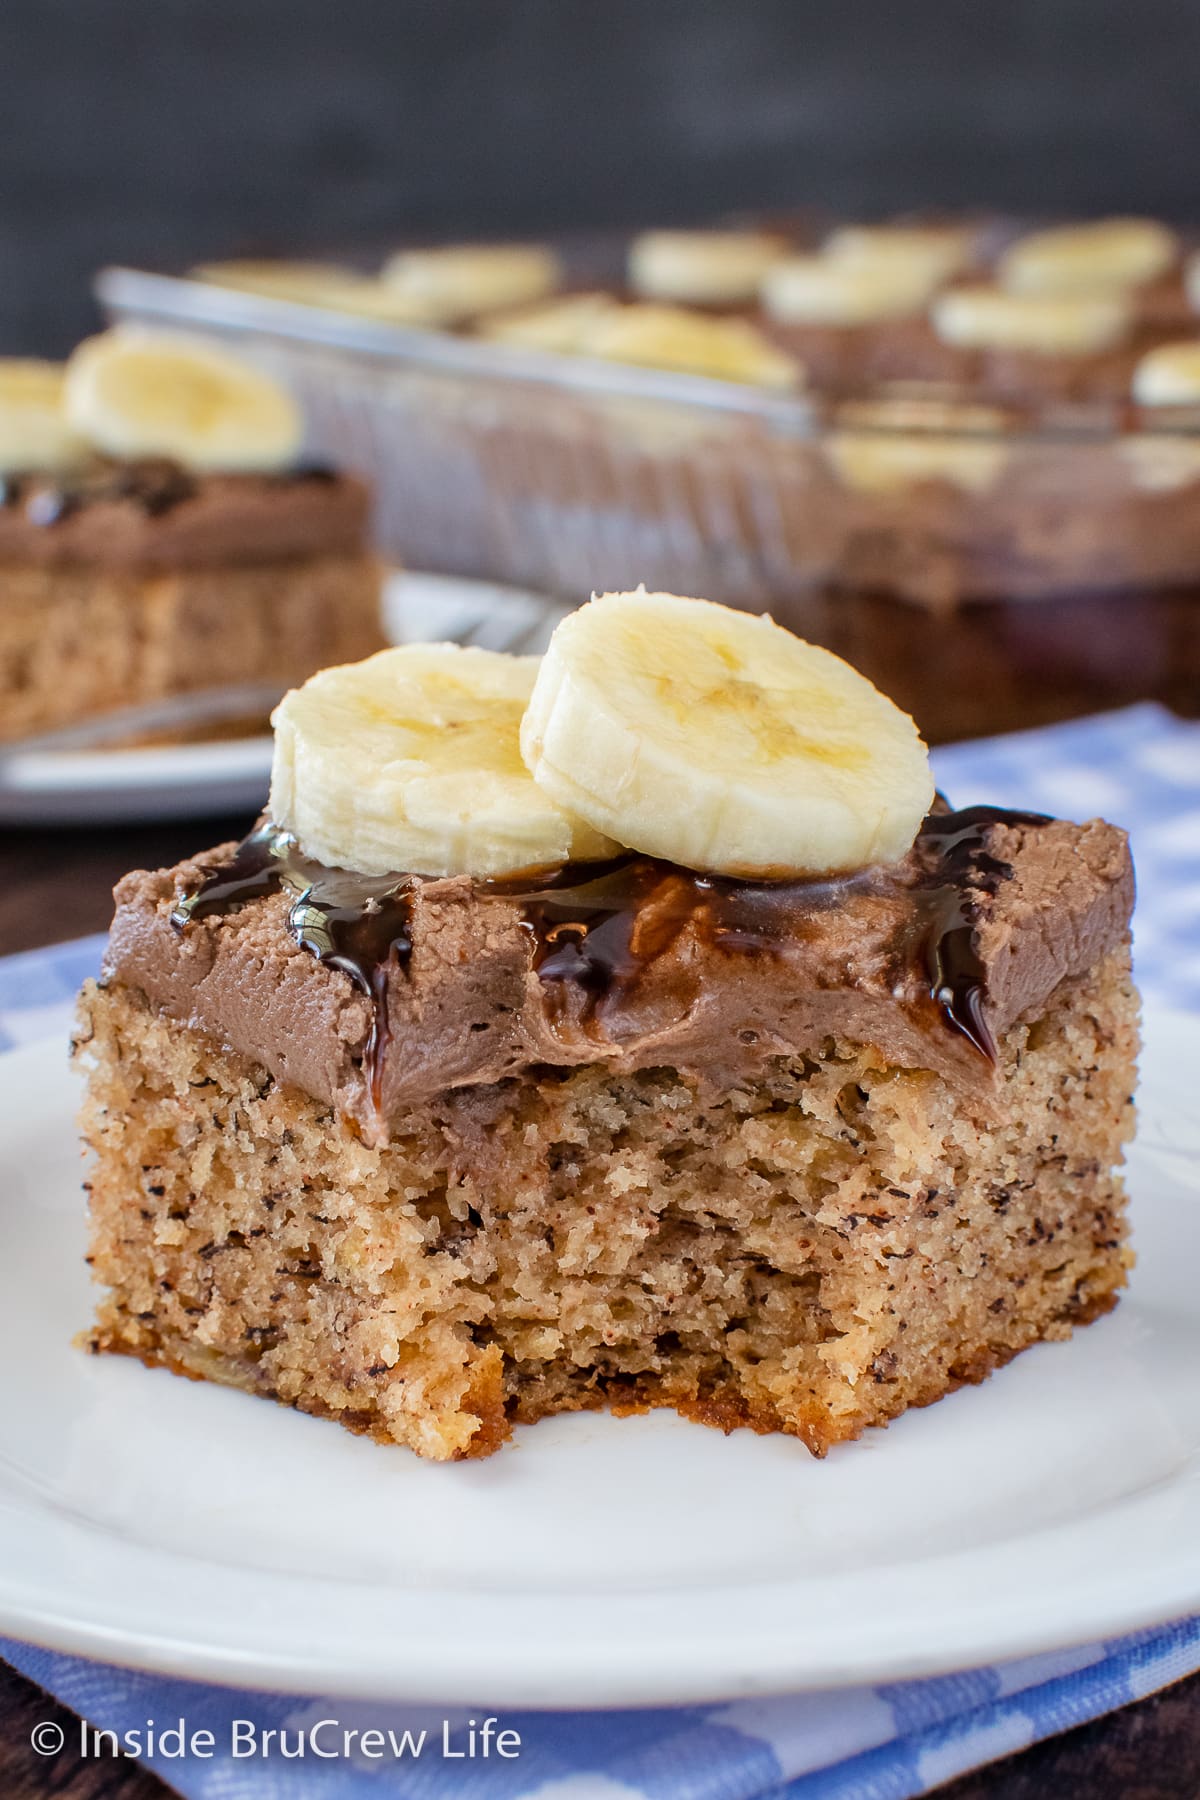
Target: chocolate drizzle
{"points": [[154, 483], [597, 929], [947, 909], [323, 473], [359, 924]]}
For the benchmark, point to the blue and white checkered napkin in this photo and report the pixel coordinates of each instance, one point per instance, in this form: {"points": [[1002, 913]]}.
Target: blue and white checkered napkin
{"points": [[877, 1743], [1139, 768]]}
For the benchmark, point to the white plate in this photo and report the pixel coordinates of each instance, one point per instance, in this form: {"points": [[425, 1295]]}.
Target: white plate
{"points": [[192, 1530], [191, 781]]}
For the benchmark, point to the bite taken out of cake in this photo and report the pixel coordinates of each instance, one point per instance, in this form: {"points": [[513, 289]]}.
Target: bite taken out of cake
{"points": [[634, 1028]]}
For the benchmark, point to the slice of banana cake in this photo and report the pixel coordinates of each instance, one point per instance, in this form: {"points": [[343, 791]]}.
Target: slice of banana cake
{"points": [[161, 533], [631, 1029]]}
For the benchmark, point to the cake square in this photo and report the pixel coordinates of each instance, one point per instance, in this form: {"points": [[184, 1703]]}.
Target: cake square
{"points": [[128, 583], [161, 533], [435, 1156], [628, 1027]]}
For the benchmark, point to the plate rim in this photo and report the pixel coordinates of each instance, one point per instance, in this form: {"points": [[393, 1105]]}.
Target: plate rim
{"points": [[565, 1689]]}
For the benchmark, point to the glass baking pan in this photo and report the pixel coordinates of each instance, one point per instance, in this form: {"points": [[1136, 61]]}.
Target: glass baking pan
{"points": [[989, 567]]}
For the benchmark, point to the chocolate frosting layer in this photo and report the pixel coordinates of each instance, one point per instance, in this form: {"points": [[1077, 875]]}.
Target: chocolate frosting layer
{"points": [[931, 961], [152, 514]]}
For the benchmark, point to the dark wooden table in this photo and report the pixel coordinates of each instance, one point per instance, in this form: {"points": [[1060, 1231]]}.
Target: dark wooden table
{"points": [[58, 885]]}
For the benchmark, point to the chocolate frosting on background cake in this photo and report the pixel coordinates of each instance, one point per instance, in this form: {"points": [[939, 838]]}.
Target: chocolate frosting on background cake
{"points": [[470, 982], [154, 514]]}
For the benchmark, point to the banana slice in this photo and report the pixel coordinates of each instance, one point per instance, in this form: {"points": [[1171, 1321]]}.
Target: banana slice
{"points": [[702, 268], [141, 393], [1080, 259], [1168, 376], [933, 253], [669, 337], [718, 740], [369, 298], [987, 318], [877, 464], [563, 326], [885, 445], [281, 280], [1191, 281], [819, 290], [1160, 464], [411, 761], [461, 280], [35, 433], [321, 284]]}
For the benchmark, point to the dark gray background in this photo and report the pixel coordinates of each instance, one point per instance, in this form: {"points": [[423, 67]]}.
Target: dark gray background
{"points": [[158, 131]]}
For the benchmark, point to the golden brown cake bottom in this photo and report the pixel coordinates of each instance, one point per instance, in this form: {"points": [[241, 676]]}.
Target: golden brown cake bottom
{"points": [[810, 1253], [77, 641]]}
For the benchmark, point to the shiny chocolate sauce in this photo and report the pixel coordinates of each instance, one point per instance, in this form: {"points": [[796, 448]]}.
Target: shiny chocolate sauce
{"points": [[595, 929], [599, 929], [323, 473], [946, 909], [155, 484], [356, 923]]}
